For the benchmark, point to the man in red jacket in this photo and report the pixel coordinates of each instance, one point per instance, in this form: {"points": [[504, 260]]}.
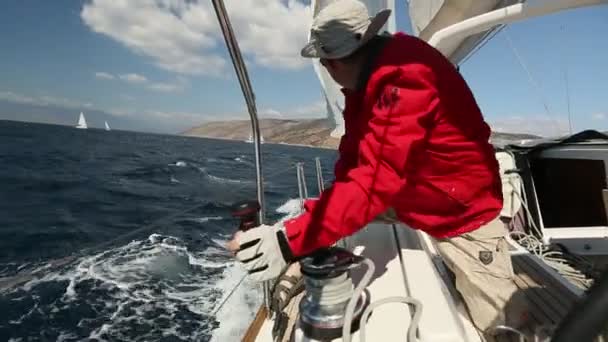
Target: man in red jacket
{"points": [[416, 145]]}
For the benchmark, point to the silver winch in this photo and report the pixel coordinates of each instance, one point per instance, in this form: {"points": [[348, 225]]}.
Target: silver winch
{"points": [[329, 289]]}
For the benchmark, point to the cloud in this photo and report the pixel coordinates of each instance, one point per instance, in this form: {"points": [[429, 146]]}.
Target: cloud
{"points": [[315, 109], [18, 98], [272, 31], [177, 85], [125, 116], [183, 117], [121, 112], [169, 87], [133, 78], [183, 36], [541, 125], [104, 76], [599, 116], [270, 113], [44, 100]]}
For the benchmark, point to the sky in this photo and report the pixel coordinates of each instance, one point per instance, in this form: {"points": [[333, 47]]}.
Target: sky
{"points": [[162, 66]]}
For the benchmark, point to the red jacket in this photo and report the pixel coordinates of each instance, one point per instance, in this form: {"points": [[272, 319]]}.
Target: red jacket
{"points": [[415, 141]]}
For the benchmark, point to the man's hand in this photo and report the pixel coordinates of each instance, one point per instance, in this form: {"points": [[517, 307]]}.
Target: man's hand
{"points": [[263, 251], [233, 245]]}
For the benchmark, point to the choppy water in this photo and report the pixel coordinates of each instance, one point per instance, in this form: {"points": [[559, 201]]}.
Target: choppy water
{"points": [[115, 235]]}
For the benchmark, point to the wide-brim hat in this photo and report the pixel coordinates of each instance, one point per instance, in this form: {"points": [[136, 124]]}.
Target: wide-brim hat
{"points": [[340, 28]]}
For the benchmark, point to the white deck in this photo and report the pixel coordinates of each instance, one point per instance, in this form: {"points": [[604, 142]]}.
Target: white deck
{"points": [[413, 274]]}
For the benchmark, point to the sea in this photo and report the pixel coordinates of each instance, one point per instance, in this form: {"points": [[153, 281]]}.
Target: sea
{"points": [[118, 236]]}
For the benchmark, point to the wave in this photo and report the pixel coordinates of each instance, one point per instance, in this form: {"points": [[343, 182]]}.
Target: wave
{"points": [[206, 219], [291, 208], [150, 289], [179, 163], [245, 300], [247, 297], [228, 180]]}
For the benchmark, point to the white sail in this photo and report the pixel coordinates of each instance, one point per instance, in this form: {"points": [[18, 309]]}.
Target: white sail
{"points": [[82, 122], [429, 16], [250, 139], [107, 126], [331, 90]]}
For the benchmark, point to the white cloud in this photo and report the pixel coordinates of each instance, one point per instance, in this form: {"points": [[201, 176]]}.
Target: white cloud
{"points": [[599, 116], [104, 75], [169, 87], [272, 31], [18, 98], [166, 87], [184, 36], [133, 78], [316, 109], [182, 117], [44, 100], [309, 111], [120, 111], [270, 113], [166, 116], [541, 125]]}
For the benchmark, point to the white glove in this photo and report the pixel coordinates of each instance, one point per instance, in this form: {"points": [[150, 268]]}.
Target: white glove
{"points": [[264, 251]]}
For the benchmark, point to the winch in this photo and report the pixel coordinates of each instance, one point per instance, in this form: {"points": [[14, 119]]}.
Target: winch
{"points": [[247, 212], [329, 289]]}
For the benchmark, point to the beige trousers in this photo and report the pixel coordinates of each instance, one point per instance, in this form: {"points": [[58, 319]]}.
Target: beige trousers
{"points": [[482, 267]]}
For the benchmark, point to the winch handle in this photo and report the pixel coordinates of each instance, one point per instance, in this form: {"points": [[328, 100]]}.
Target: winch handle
{"points": [[329, 262], [247, 212]]}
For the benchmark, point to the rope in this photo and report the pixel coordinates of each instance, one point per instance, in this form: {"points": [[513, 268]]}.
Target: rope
{"points": [[537, 87], [219, 307], [356, 294], [412, 302], [569, 266], [486, 38], [350, 307]]}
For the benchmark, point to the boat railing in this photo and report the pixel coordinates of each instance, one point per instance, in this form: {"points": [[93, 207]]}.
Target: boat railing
{"points": [[319, 170]]}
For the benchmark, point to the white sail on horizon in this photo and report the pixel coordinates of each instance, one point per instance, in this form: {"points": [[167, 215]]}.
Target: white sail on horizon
{"points": [[106, 125], [82, 122], [250, 139]]}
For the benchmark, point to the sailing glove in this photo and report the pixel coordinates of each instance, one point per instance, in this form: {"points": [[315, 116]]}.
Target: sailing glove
{"points": [[264, 251]]}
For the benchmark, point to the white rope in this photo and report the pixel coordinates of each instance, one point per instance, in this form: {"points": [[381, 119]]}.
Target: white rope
{"points": [[565, 264], [535, 84]]}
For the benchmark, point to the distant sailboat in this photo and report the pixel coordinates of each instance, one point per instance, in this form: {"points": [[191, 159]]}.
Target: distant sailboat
{"points": [[250, 139], [107, 126], [82, 123]]}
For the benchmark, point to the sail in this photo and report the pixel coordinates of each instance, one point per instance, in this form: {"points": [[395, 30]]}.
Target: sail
{"points": [[250, 139], [334, 99], [107, 126], [82, 122], [429, 16]]}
